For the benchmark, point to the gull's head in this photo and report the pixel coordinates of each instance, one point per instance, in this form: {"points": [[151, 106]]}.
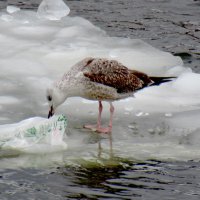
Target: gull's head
{"points": [[55, 97]]}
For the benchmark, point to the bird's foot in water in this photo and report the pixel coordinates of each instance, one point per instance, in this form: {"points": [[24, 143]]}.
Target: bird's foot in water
{"points": [[99, 129], [104, 130]]}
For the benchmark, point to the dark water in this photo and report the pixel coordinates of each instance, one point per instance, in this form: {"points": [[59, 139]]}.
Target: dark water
{"points": [[171, 25], [137, 180]]}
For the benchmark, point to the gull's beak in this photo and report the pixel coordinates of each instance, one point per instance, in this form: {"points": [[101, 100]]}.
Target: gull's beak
{"points": [[51, 112]]}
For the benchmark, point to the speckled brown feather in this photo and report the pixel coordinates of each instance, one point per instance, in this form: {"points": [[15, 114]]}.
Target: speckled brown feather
{"points": [[114, 74]]}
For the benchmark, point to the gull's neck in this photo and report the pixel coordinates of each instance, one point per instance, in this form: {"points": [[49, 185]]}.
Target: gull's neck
{"points": [[70, 88]]}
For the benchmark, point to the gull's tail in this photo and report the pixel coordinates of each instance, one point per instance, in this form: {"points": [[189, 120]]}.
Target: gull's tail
{"points": [[160, 80]]}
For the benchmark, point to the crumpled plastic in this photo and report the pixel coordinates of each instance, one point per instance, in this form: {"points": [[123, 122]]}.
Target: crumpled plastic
{"points": [[35, 134]]}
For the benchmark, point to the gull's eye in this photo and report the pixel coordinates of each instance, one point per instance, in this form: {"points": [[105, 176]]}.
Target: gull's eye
{"points": [[49, 98]]}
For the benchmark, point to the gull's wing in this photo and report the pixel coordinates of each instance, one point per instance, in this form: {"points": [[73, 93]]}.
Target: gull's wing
{"points": [[114, 74]]}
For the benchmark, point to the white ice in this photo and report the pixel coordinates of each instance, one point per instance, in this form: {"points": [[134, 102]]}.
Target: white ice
{"points": [[52, 9], [11, 9], [161, 122]]}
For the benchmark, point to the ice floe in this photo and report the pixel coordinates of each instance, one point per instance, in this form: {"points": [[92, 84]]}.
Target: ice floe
{"points": [[35, 51]]}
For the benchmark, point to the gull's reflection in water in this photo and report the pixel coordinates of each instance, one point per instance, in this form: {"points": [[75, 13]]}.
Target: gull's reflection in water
{"points": [[100, 149]]}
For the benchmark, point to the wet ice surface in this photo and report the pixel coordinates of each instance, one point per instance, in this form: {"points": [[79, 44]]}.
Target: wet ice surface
{"points": [[161, 123]]}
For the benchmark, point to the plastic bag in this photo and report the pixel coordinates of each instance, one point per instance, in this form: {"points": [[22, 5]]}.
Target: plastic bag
{"points": [[35, 134]]}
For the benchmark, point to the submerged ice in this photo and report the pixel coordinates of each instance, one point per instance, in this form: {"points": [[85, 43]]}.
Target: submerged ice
{"points": [[35, 51]]}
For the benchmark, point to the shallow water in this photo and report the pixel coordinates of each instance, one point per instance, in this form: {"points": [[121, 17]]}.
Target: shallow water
{"points": [[154, 149]]}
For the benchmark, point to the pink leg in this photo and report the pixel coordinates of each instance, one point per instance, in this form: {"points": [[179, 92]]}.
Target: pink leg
{"points": [[112, 109], [109, 128], [98, 125]]}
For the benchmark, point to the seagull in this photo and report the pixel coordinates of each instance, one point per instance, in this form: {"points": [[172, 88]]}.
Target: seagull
{"points": [[99, 79]]}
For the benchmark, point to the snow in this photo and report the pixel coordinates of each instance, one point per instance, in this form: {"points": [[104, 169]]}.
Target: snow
{"points": [[160, 123]]}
